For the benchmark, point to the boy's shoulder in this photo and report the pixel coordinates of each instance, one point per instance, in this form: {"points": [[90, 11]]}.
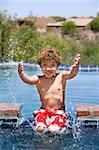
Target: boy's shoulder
{"points": [[41, 76]]}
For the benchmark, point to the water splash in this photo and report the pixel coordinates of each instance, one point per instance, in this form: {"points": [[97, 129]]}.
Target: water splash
{"points": [[10, 85], [26, 122], [77, 131]]}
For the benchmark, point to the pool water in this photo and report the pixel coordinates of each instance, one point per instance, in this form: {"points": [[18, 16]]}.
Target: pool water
{"points": [[81, 89]]}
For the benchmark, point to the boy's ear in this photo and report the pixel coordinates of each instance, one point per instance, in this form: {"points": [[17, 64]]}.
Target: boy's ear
{"points": [[58, 65]]}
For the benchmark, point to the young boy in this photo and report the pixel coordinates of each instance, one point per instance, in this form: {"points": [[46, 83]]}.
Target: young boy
{"points": [[51, 88]]}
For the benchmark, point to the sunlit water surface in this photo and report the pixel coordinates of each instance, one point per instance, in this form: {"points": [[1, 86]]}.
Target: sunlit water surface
{"points": [[84, 88]]}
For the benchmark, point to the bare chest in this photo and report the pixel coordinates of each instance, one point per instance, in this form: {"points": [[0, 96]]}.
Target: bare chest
{"points": [[51, 88]]}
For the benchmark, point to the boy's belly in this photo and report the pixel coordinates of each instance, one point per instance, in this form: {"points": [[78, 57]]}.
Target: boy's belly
{"points": [[52, 104]]}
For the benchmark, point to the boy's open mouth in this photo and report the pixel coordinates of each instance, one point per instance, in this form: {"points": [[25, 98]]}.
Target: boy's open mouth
{"points": [[48, 72]]}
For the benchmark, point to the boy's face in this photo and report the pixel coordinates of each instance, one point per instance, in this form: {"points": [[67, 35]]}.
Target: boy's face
{"points": [[49, 67]]}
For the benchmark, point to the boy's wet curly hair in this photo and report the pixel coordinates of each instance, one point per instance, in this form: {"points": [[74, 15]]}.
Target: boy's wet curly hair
{"points": [[49, 53]]}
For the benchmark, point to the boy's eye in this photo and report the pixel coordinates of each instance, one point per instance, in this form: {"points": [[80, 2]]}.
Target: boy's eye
{"points": [[53, 65], [44, 65]]}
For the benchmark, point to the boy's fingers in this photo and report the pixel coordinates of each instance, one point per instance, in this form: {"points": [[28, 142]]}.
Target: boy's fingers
{"points": [[19, 64], [77, 58], [78, 55], [77, 61], [20, 68]]}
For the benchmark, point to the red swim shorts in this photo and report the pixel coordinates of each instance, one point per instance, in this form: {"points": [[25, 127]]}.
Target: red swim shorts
{"points": [[46, 118]]}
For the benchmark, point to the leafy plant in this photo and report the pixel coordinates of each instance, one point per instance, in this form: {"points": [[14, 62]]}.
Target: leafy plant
{"points": [[68, 27], [94, 25], [5, 30]]}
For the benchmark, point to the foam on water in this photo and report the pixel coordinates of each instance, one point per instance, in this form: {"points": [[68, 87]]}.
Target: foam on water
{"points": [[74, 129]]}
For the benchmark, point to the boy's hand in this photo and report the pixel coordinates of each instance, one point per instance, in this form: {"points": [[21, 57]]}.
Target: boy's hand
{"points": [[20, 69], [77, 60]]}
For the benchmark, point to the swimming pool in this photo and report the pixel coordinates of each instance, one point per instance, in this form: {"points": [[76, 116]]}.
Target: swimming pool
{"points": [[81, 89]]}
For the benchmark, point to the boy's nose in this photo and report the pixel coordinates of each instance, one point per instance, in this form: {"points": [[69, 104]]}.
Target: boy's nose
{"points": [[48, 68]]}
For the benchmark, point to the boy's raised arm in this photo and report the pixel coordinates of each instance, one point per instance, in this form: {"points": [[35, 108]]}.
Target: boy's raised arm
{"points": [[30, 80], [74, 69]]}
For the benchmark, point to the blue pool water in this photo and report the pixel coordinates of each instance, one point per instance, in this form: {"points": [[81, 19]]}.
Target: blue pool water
{"points": [[84, 88]]}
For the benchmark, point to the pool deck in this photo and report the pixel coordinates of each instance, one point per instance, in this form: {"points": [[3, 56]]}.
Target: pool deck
{"points": [[88, 114], [10, 113]]}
